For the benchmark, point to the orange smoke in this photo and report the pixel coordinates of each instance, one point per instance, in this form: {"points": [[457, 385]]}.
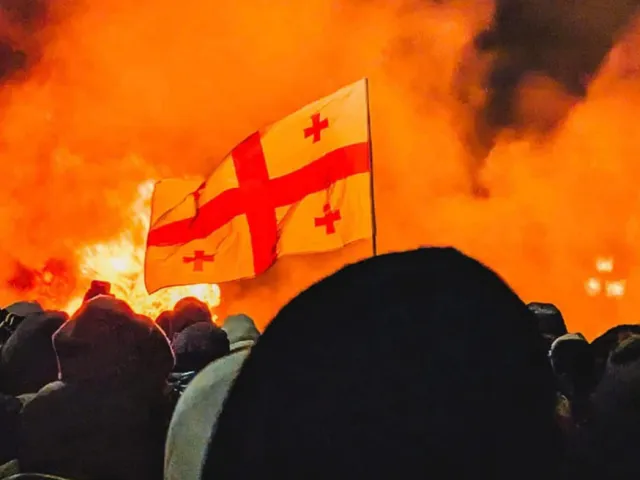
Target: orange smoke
{"points": [[127, 92]]}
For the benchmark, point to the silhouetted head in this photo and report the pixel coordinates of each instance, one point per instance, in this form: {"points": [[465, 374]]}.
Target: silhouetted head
{"points": [[421, 364]]}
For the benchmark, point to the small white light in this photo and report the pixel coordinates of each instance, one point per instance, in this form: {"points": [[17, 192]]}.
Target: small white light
{"points": [[604, 264], [615, 289], [593, 287]]}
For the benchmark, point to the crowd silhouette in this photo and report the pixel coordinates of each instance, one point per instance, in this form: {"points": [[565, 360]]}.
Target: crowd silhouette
{"points": [[420, 364]]}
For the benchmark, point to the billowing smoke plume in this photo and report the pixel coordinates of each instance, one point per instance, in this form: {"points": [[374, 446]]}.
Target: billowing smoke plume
{"points": [[549, 45], [127, 91], [21, 25]]}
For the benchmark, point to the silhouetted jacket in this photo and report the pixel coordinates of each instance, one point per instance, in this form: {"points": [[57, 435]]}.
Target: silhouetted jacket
{"points": [[107, 416], [199, 407]]}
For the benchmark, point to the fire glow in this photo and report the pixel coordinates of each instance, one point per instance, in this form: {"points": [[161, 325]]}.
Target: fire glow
{"points": [[120, 261]]}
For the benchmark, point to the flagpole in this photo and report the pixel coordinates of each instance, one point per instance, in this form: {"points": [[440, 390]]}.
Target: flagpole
{"points": [[374, 229]]}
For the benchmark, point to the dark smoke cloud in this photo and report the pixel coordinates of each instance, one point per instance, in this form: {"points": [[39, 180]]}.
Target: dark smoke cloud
{"points": [[563, 41], [20, 23]]}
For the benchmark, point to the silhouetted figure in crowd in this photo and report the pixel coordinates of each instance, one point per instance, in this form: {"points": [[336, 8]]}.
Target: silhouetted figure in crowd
{"points": [[187, 311], [164, 321], [198, 345], [27, 360], [195, 347], [200, 405], [422, 364], [550, 320], [9, 422], [573, 363], [607, 445], [608, 342], [106, 417], [97, 288]]}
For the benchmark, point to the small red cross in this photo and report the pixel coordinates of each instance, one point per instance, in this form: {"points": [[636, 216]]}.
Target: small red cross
{"points": [[316, 127], [198, 260], [329, 219]]}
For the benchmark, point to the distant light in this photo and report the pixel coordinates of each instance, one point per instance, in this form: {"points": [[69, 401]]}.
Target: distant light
{"points": [[47, 277], [593, 287], [615, 289], [604, 264]]}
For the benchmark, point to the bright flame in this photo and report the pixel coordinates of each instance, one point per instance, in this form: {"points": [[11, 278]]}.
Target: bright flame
{"points": [[121, 262]]}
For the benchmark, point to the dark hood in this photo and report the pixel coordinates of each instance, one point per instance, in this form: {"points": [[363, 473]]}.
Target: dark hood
{"points": [[24, 309], [28, 360], [422, 364], [609, 341], [550, 320], [607, 445], [185, 313], [105, 339]]}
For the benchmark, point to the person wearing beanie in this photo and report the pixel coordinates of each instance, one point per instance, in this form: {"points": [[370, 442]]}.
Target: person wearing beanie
{"points": [[186, 312], [608, 342], [198, 408], [195, 347], [625, 353], [106, 416], [573, 364], [421, 364], [164, 321], [198, 345], [27, 360], [607, 445]]}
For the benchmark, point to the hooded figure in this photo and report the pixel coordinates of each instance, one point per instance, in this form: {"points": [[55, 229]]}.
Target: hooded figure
{"points": [[607, 445], [195, 347], [12, 316], [27, 360], [625, 353], [421, 364], [198, 345], [550, 321], [24, 309], [9, 416], [608, 342], [573, 364], [186, 312], [107, 416], [202, 401]]}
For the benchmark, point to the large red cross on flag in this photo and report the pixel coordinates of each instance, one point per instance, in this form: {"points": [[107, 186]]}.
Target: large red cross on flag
{"points": [[299, 185]]}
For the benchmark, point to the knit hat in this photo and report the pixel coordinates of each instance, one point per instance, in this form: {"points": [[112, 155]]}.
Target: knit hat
{"points": [[198, 345], [608, 342], [106, 339], [186, 312]]}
